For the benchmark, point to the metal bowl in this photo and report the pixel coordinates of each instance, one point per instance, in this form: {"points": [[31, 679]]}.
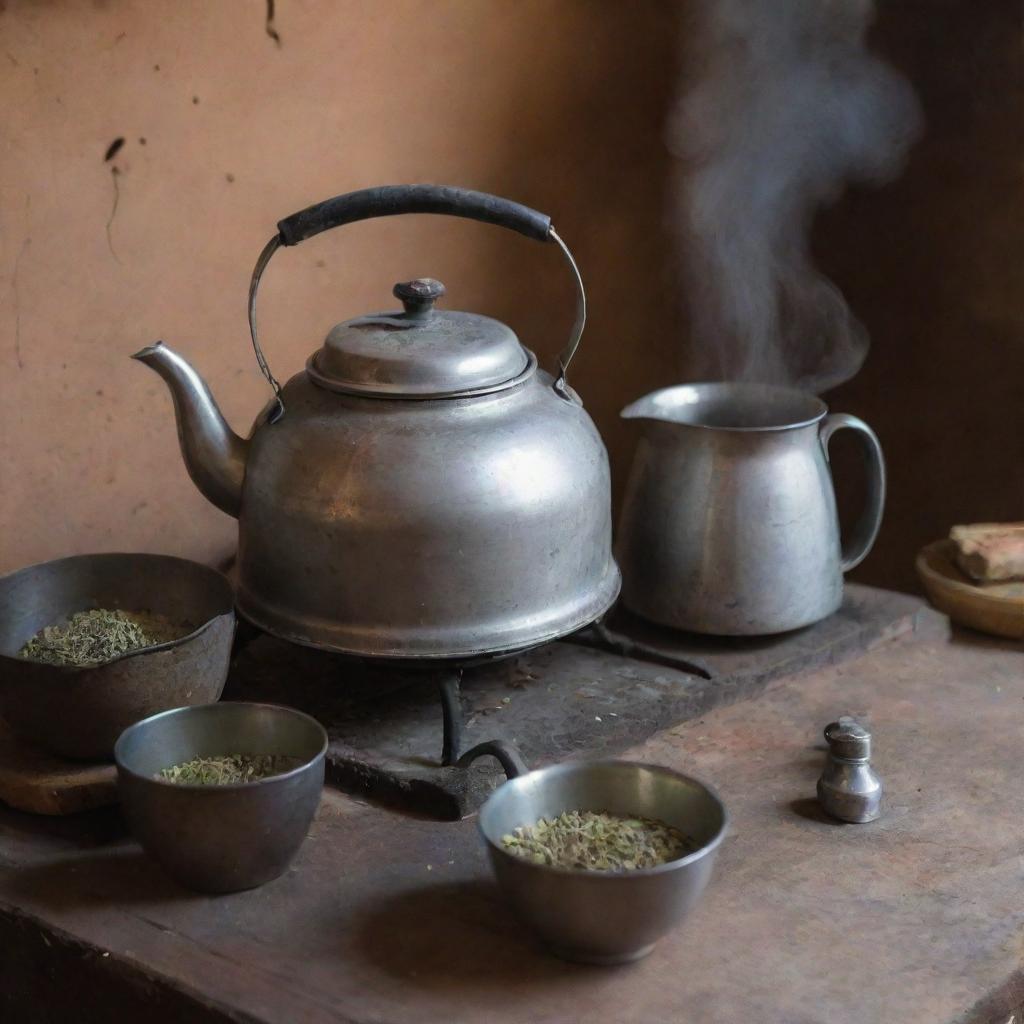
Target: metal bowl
{"points": [[594, 916], [80, 712], [221, 838]]}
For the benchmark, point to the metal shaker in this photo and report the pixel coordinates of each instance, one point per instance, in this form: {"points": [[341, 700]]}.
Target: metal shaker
{"points": [[849, 788]]}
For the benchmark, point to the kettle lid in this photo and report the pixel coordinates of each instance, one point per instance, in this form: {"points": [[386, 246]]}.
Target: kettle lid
{"points": [[421, 352]]}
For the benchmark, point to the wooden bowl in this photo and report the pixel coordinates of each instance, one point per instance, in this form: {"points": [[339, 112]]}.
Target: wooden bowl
{"points": [[996, 608]]}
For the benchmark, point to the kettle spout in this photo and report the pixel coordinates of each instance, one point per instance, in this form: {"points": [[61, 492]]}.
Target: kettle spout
{"points": [[214, 454]]}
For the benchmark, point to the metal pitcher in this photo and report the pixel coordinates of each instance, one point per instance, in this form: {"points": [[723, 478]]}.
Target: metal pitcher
{"points": [[729, 525]]}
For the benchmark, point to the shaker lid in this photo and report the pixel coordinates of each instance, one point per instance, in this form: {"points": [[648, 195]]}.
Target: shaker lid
{"points": [[847, 738], [420, 352]]}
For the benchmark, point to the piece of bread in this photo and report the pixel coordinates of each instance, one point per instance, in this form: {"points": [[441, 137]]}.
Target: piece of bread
{"points": [[990, 552]]}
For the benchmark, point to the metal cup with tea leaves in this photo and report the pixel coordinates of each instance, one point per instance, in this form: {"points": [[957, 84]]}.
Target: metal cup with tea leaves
{"points": [[90, 644], [597, 841], [221, 796], [97, 635], [625, 851]]}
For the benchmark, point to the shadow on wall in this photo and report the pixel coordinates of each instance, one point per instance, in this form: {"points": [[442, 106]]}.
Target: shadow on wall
{"points": [[934, 266]]}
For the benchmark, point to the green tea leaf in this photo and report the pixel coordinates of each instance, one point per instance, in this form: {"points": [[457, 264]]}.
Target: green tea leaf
{"points": [[92, 637], [598, 841], [232, 768]]}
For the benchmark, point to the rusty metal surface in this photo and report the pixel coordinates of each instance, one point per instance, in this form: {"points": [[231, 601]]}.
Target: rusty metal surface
{"points": [[913, 918], [558, 701]]}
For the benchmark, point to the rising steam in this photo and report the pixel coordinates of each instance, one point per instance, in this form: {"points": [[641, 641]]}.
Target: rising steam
{"points": [[782, 106]]}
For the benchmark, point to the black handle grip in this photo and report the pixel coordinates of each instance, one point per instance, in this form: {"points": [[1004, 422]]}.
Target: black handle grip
{"points": [[390, 200]]}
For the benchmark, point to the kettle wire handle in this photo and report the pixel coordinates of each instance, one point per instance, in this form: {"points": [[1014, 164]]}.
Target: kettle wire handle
{"points": [[254, 283], [391, 200]]}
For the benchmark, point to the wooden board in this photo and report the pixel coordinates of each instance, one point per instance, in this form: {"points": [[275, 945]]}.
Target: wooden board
{"points": [[33, 780]]}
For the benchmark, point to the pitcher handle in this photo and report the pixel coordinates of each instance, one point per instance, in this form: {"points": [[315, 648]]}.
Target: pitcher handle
{"points": [[856, 548], [390, 200]]}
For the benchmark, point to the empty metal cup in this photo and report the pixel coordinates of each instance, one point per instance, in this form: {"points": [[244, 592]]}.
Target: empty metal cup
{"points": [[594, 916], [221, 838]]}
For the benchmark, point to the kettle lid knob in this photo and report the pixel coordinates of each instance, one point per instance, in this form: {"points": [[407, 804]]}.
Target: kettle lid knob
{"points": [[418, 297]]}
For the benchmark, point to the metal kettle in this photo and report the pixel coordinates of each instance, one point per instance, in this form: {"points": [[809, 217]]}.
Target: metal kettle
{"points": [[421, 489], [729, 523]]}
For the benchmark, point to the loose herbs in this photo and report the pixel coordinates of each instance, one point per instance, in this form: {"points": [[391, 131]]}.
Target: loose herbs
{"points": [[92, 637], [232, 768], [596, 841]]}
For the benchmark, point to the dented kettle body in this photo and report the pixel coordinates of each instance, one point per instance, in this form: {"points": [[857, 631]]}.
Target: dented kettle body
{"points": [[426, 529], [411, 529]]}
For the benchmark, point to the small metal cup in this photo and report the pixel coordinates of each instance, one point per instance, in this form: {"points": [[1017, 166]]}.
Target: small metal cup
{"points": [[221, 838], [604, 917]]}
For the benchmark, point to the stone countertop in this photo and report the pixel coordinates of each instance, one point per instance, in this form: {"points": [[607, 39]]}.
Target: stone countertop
{"points": [[385, 918]]}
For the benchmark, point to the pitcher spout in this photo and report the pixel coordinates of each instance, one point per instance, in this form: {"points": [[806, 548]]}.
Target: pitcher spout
{"points": [[214, 454], [667, 405], [747, 406]]}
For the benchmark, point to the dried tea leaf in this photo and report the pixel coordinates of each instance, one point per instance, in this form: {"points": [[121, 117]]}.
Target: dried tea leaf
{"points": [[598, 841], [232, 768], [92, 637]]}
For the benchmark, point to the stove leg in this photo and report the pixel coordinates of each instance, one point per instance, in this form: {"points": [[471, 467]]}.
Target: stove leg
{"points": [[451, 709], [600, 636]]}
